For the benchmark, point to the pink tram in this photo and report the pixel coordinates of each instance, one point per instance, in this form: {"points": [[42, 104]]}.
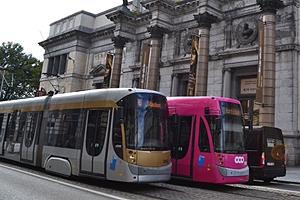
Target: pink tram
{"points": [[208, 140]]}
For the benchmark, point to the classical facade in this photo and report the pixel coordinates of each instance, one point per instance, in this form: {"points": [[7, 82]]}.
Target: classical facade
{"points": [[243, 49]]}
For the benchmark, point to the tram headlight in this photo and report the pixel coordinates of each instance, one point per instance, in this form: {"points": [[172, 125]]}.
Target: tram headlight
{"points": [[132, 158], [220, 159]]}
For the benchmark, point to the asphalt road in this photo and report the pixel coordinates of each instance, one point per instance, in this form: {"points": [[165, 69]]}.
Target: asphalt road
{"points": [[19, 182]]}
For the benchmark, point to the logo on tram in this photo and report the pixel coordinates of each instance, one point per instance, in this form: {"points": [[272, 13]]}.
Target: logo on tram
{"points": [[239, 159]]}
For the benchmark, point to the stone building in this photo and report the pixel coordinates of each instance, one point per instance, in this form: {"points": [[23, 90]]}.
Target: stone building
{"points": [[246, 49]]}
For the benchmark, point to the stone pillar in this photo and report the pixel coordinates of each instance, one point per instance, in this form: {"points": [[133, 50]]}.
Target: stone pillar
{"points": [[204, 22], [227, 82], [152, 79], [117, 61], [228, 31], [267, 110], [175, 85]]}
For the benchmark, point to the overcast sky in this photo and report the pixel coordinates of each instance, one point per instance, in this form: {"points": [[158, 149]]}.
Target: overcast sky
{"points": [[28, 22]]}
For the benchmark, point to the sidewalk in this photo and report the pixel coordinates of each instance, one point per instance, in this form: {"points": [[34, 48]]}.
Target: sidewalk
{"points": [[292, 175]]}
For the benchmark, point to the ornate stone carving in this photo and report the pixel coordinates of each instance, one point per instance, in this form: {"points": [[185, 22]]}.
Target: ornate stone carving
{"points": [[205, 20], [246, 32], [156, 31], [119, 41], [270, 5], [187, 41]]}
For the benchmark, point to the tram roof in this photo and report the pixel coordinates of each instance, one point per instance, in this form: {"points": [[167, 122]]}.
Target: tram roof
{"points": [[76, 99], [190, 100]]}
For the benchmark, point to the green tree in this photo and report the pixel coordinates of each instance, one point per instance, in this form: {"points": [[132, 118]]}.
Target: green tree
{"points": [[19, 73]]}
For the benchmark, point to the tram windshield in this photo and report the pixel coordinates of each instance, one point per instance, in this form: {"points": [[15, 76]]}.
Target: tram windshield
{"points": [[145, 121], [230, 138]]}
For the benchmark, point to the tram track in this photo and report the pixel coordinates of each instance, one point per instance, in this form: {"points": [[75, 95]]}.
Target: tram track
{"points": [[174, 189]]}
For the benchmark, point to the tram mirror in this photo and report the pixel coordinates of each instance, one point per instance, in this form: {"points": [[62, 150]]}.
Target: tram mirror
{"points": [[120, 113], [218, 123]]}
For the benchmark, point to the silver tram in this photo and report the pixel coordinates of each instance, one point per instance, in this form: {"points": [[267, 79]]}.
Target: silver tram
{"points": [[116, 134]]}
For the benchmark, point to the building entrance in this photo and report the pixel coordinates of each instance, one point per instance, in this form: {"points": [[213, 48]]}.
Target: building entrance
{"points": [[250, 110]]}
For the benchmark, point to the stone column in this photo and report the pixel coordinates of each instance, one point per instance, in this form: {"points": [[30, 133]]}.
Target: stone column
{"points": [[227, 82], [267, 110], [117, 61], [175, 85], [204, 22], [228, 31], [157, 33]]}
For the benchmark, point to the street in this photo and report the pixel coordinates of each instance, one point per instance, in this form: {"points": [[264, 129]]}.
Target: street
{"points": [[19, 182]]}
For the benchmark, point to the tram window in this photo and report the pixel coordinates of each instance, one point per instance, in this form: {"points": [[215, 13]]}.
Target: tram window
{"points": [[64, 128], [185, 125], [173, 132], [1, 121], [96, 131], [214, 132], [11, 127], [117, 137], [4, 128], [14, 131], [203, 138], [30, 128]]}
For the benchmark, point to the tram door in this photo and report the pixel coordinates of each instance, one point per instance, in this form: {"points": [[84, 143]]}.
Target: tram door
{"points": [[94, 145], [182, 147], [30, 129], [203, 154]]}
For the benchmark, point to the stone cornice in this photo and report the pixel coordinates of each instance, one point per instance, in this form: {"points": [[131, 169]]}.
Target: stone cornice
{"points": [[173, 8], [288, 47], [120, 16], [229, 53], [241, 12], [75, 34], [143, 18], [180, 61], [79, 35], [135, 18], [103, 32], [186, 6], [166, 5], [291, 136]]}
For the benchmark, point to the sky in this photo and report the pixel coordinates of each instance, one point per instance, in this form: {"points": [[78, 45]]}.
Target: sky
{"points": [[28, 22]]}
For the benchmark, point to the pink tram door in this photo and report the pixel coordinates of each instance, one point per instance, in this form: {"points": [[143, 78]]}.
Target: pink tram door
{"points": [[207, 140]]}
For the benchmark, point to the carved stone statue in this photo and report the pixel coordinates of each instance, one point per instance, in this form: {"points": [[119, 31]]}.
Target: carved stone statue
{"points": [[247, 32]]}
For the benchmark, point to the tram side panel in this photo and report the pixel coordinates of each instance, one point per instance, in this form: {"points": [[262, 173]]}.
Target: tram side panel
{"points": [[64, 127], [61, 150], [20, 127]]}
